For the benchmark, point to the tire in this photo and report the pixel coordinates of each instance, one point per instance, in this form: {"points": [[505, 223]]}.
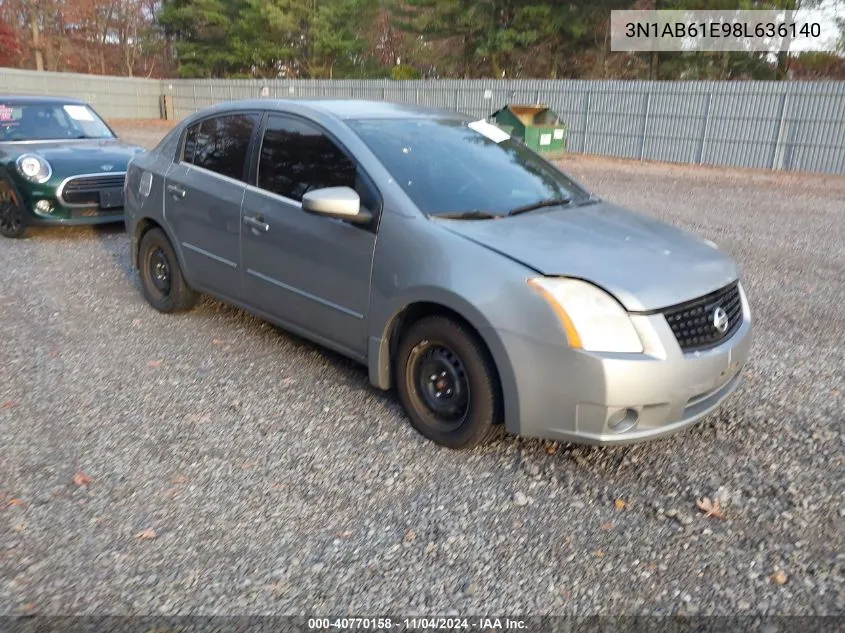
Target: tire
{"points": [[439, 355], [162, 281], [13, 222]]}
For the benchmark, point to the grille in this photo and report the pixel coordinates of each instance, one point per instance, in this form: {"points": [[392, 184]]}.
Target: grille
{"points": [[692, 322], [86, 189]]}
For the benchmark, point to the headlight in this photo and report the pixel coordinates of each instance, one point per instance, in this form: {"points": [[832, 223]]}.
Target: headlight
{"points": [[592, 319], [34, 168]]}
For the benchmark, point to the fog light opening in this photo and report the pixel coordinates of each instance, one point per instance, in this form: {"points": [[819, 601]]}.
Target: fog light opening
{"points": [[44, 206], [623, 420]]}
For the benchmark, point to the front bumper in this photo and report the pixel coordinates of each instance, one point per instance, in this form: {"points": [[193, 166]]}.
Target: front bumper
{"points": [[608, 399], [62, 215]]}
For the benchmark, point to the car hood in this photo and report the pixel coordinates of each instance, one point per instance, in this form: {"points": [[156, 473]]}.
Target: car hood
{"points": [[646, 264], [82, 156]]}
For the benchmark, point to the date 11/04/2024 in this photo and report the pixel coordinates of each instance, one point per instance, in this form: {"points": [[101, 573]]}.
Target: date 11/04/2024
{"points": [[492, 625]]}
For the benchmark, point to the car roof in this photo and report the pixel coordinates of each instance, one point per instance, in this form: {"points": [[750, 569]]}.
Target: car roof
{"points": [[346, 109], [37, 100]]}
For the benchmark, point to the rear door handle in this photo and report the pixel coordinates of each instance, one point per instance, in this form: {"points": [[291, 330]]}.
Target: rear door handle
{"points": [[176, 191], [256, 223]]}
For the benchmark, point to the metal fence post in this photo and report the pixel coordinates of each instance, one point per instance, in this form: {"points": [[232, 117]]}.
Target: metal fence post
{"points": [[706, 128], [586, 122], [645, 124], [777, 156]]}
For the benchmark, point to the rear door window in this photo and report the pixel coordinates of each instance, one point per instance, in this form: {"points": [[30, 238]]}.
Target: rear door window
{"points": [[221, 144]]}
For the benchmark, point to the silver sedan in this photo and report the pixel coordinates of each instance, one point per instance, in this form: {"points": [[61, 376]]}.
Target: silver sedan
{"points": [[490, 290]]}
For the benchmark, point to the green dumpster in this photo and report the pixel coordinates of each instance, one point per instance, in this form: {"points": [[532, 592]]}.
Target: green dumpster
{"points": [[537, 125]]}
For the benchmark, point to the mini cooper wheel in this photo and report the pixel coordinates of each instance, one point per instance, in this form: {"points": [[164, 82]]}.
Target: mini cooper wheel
{"points": [[447, 384], [162, 281], [12, 220]]}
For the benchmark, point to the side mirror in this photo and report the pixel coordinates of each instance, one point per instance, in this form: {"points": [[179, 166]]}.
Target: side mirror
{"points": [[342, 203]]}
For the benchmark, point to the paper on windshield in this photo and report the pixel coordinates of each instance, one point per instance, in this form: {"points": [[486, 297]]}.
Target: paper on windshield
{"points": [[79, 113], [6, 113], [489, 130]]}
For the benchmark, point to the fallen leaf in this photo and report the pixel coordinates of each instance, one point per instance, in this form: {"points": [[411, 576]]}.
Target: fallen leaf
{"points": [[217, 341], [9, 404], [171, 493], [154, 363], [552, 449], [20, 527], [146, 535], [710, 508], [248, 465], [620, 504], [607, 526], [29, 608], [136, 322], [599, 553], [16, 502], [780, 577], [410, 535], [178, 479], [81, 479], [54, 353]]}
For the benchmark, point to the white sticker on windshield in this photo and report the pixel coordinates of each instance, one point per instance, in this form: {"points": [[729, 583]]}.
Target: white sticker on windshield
{"points": [[79, 113], [545, 139], [489, 130], [558, 134]]}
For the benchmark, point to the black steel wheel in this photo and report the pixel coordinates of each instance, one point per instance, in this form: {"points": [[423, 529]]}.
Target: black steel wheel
{"points": [[447, 383], [442, 383], [162, 281], [12, 220]]}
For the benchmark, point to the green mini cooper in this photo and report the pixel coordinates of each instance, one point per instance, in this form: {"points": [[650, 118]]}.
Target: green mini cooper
{"points": [[59, 164]]}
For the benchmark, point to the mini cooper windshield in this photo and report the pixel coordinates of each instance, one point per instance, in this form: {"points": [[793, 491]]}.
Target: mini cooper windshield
{"points": [[50, 122], [451, 170]]}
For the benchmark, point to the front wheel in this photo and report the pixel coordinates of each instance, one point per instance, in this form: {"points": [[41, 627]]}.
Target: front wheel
{"points": [[12, 221], [447, 383], [162, 281]]}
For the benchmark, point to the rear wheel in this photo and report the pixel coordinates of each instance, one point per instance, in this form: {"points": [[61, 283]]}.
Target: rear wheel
{"points": [[447, 383], [162, 281], [12, 220]]}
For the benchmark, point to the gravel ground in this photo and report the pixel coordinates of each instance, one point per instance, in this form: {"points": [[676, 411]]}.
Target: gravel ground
{"points": [[268, 477]]}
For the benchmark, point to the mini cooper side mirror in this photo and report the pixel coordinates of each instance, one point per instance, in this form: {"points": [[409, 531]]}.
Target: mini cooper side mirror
{"points": [[342, 203]]}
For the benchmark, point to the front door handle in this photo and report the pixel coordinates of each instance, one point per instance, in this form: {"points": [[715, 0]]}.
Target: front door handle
{"points": [[256, 223], [176, 191]]}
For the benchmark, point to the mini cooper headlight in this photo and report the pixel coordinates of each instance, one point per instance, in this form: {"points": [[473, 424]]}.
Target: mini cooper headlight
{"points": [[592, 319], [34, 168]]}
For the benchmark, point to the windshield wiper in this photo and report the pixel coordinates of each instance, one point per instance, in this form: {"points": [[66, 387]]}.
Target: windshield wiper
{"points": [[548, 202], [475, 214]]}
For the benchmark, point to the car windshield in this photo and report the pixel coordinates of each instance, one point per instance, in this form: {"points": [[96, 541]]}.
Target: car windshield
{"points": [[50, 121], [449, 168]]}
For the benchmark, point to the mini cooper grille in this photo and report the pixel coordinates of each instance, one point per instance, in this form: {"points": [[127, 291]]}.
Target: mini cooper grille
{"points": [[694, 322], [86, 189]]}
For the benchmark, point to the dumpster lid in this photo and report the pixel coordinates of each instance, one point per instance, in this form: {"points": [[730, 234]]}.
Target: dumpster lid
{"points": [[527, 114]]}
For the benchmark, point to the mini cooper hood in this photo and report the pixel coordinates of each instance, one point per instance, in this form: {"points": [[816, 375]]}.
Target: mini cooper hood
{"points": [[84, 156], [646, 264]]}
